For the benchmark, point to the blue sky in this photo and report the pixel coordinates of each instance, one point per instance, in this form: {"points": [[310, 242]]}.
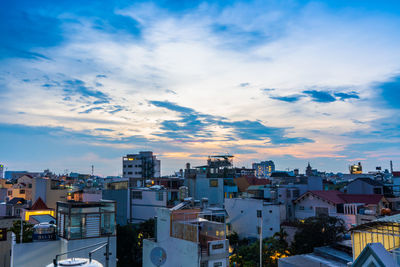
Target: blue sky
{"points": [[85, 82]]}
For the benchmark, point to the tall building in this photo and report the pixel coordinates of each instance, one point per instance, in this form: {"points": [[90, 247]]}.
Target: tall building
{"points": [[139, 167], [264, 168], [356, 168], [1, 171]]}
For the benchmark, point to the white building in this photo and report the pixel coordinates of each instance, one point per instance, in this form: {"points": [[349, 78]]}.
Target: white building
{"points": [[242, 217], [146, 201], [336, 204], [186, 237], [140, 166]]}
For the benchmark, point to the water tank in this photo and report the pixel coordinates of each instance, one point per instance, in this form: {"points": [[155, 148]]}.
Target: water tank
{"points": [[44, 231], [77, 262]]}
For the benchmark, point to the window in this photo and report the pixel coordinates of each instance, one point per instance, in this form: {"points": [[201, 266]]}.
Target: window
{"points": [[29, 185], [22, 191], [124, 166], [321, 211], [159, 196], [270, 211], [137, 194], [270, 229], [301, 207], [213, 182], [129, 166], [218, 264], [218, 246], [296, 193], [259, 214], [129, 172], [9, 193]]}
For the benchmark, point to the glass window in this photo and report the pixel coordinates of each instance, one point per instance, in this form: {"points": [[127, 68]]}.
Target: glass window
{"points": [[107, 223], [159, 196], [22, 191]]}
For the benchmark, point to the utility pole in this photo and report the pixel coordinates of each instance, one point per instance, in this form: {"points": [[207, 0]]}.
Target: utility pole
{"points": [[22, 230], [259, 215], [108, 251]]}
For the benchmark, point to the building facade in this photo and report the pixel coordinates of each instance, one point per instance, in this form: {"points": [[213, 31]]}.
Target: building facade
{"points": [[139, 167], [242, 217], [264, 169], [186, 238]]}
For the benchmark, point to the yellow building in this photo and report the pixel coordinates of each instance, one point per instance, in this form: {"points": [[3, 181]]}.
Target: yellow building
{"points": [[385, 230], [38, 208]]}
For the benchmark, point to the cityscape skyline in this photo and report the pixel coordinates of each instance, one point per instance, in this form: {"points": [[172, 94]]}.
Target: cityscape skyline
{"points": [[293, 82]]}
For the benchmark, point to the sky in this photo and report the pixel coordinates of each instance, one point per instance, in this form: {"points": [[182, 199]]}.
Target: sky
{"points": [[85, 82]]}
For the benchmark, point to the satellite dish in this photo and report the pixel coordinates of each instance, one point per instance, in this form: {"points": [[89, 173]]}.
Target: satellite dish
{"points": [[158, 256]]}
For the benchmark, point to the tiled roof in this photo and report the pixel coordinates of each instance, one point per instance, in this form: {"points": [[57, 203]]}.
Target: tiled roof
{"points": [[39, 205], [367, 199], [337, 197]]}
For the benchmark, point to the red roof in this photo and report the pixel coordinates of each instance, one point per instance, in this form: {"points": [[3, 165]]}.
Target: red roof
{"points": [[39, 205], [396, 174], [367, 199], [330, 195], [337, 197], [257, 181]]}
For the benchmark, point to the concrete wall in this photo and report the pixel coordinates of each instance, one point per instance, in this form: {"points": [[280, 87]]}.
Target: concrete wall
{"points": [[203, 189], [360, 187], [36, 254], [243, 217], [180, 253], [122, 199], [39, 187], [146, 208]]}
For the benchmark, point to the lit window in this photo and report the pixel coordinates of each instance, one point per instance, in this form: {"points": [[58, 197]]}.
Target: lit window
{"points": [[213, 182]]}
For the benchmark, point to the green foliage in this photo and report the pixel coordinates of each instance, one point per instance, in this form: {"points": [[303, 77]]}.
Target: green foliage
{"points": [[317, 232], [248, 254], [130, 242], [27, 235]]}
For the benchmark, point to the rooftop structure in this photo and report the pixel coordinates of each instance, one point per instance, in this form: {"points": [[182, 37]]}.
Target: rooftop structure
{"points": [[79, 220], [198, 237]]}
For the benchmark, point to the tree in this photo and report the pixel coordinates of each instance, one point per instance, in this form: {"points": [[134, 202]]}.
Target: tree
{"points": [[317, 231], [27, 235], [247, 254], [275, 248], [130, 242]]}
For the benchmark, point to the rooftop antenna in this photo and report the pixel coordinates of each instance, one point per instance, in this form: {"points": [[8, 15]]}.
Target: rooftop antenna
{"points": [[391, 166], [92, 169]]}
